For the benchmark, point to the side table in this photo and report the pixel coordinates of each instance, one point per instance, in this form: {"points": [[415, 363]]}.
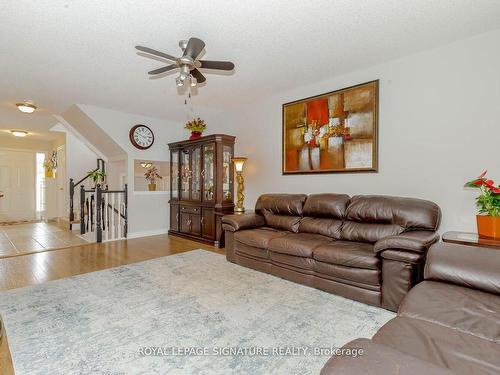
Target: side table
{"points": [[471, 239]]}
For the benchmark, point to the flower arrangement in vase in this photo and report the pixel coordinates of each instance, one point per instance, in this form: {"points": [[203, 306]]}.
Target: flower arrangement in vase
{"points": [[49, 168], [151, 176], [488, 204], [196, 126]]}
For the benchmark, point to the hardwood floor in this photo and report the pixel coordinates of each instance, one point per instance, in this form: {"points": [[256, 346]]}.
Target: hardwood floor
{"points": [[37, 268]]}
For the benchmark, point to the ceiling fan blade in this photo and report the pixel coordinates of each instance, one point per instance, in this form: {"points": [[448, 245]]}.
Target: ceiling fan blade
{"points": [[163, 70], [219, 65], [156, 53], [194, 47], [197, 74]]}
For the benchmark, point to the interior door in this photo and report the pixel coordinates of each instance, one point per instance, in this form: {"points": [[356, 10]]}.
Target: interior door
{"points": [[17, 185]]}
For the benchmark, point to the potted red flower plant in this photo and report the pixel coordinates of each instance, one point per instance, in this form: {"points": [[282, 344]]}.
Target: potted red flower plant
{"points": [[196, 126], [488, 204]]}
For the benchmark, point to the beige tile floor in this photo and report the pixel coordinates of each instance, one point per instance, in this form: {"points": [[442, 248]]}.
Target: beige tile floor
{"points": [[29, 238]]}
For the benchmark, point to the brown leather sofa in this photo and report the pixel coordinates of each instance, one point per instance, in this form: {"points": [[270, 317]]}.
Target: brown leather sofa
{"points": [[449, 323], [368, 248]]}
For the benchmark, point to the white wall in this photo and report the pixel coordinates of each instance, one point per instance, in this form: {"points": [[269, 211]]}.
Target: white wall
{"points": [[439, 126], [148, 212], [79, 158]]}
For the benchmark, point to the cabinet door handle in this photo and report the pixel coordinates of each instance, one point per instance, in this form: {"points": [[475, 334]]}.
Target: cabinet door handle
{"points": [[177, 217], [203, 173], [202, 220]]}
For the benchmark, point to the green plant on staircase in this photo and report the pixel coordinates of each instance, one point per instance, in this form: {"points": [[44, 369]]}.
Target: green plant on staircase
{"points": [[98, 176]]}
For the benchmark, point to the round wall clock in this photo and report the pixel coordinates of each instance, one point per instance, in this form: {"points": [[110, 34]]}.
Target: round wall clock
{"points": [[141, 137]]}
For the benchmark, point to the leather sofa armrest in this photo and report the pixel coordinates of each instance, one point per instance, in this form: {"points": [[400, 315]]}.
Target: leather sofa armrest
{"points": [[237, 222], [418, 241], [404, 256], [468, 266], [379, 359]]}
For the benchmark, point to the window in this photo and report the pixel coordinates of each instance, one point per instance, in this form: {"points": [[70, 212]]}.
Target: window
{"points": [[40, 184]]}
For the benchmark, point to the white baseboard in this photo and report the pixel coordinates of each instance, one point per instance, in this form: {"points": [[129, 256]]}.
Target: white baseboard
{"points": [[147, 233]]}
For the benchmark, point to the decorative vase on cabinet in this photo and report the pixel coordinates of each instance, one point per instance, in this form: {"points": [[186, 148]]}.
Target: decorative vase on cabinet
{"points": [[202, 186]]}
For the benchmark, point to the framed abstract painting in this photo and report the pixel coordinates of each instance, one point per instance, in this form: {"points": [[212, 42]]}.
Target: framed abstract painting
{"points": [[333, 132]]}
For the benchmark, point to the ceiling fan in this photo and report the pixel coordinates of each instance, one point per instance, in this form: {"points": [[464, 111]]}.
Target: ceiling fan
{"points": [[188, 63]]}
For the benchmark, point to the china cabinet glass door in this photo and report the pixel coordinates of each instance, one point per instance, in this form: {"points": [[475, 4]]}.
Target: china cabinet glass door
{"points": [[208, 172], [185, 174], [227, 173], [174, 174], [196, 174]]}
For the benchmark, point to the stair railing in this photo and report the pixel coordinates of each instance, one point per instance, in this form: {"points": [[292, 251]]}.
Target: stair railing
{"points": [[103, 213], [101, 165]]}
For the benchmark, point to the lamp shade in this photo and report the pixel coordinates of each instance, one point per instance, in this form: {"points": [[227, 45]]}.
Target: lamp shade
{"points": [[238, 163]]}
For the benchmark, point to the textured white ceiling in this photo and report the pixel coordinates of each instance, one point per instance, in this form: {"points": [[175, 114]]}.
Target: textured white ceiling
{"points": [[63, 52]]}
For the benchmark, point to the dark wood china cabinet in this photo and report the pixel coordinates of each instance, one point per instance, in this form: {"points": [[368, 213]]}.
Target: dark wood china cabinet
{"points": [[201, 185]]}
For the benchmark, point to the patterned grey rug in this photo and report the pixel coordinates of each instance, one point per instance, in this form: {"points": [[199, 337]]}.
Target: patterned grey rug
{"points": [[191, 313]]}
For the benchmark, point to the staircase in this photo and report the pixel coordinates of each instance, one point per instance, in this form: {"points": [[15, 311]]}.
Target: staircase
{"points": [[101, 165], [102, 214]]}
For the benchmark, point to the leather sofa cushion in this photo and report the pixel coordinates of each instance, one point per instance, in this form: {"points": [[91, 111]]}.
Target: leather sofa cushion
{"points": [[361, 277], [320, 225], [257, 237], [326, 205], [370, 218], [298, 244], [368, 232], [302, 263], [471, 267], [281, 204], [409, 213], [460, 352], [348, 254], [380, 359], [467, 310], [255, 252], [282, 222]]}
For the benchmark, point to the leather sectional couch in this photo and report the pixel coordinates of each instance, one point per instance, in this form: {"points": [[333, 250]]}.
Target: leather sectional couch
{"points": [[447, 324], [368, 248]]}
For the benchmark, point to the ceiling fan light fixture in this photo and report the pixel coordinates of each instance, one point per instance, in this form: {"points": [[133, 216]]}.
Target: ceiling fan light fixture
{"points": [[188, 63], [26, 107]]}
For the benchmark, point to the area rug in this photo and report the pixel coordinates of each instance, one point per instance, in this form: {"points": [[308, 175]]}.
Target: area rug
{"points": [[191, 313]]}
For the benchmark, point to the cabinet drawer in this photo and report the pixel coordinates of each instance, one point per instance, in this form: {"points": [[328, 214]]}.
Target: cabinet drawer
{"points": [[191, 209]]}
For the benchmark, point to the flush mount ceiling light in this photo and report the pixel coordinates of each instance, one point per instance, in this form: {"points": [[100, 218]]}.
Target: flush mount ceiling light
{"points": [[188, 63], [19, 133], [146, 164], [26, 107]]}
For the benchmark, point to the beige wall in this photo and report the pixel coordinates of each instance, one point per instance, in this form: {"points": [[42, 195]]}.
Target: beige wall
{"points": [[25, 143]]}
